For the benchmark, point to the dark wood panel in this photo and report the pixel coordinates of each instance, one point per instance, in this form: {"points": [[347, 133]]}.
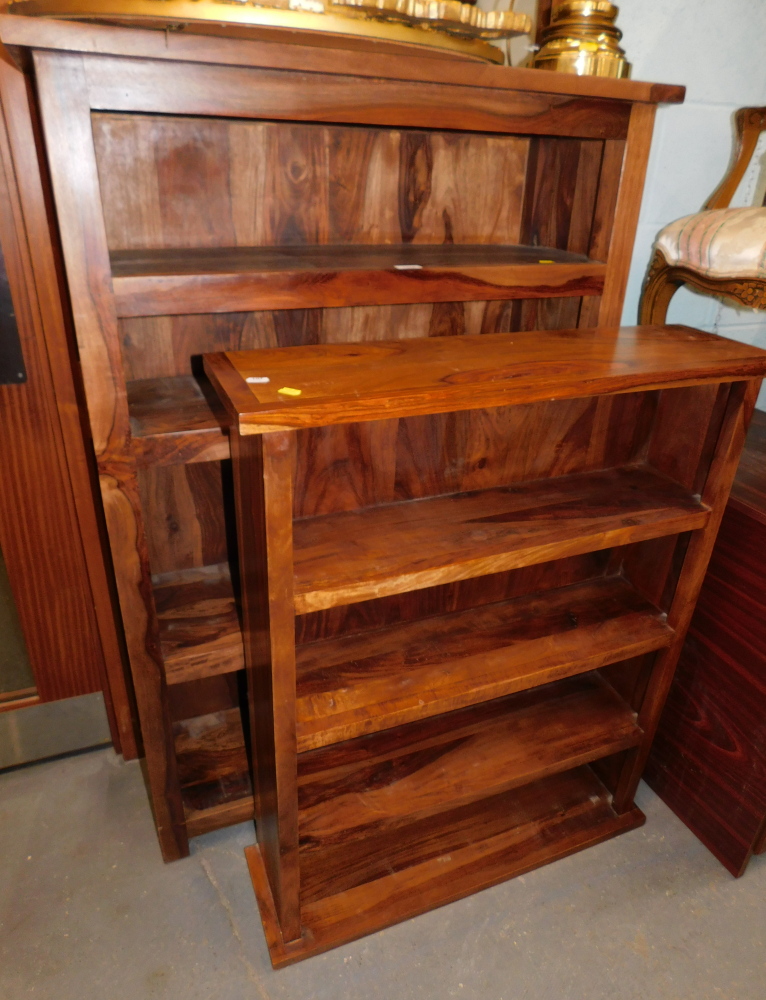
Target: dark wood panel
{"points": [[376, 783], [212, 764], [184, 183], [235, 280], [364, 683], [140, 85], [350, 619], [514, 816], [188, 526], [176, 421], [571, 823], [709, 758], [200, 630], [355, 556], [748, 494], [263, 493]]}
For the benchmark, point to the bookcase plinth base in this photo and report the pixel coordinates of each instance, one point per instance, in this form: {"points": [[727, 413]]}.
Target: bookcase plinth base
{"points": [[355, 913]]}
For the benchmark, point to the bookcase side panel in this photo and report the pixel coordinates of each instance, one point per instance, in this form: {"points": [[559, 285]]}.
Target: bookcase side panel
{"points": [[263, 493]]}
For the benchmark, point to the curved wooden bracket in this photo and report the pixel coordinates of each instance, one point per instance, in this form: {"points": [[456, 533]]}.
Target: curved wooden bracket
{"points": [[663, 279], [749, 122]]}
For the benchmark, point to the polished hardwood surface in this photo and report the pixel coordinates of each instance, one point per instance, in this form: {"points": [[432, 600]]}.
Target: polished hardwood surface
{"points": [[366, 682], [360, 788], [438, 862], [182, 166], [338, 383], [171, 282], [359, 555], [430, 628], [709, 759]]}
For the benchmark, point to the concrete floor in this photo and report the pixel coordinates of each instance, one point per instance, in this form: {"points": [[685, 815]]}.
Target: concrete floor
{"points": [[89, 912]]}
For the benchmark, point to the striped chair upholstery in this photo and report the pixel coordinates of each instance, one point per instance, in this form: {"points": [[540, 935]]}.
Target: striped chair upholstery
{"points": [[720, 250], [722, 243]]}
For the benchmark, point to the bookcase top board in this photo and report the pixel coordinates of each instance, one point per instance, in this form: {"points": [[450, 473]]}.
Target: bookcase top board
{"points": [[96, 40], [323, 384]]}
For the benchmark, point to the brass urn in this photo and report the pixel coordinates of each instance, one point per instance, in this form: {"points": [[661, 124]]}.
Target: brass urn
{"points": [[582, 39]]}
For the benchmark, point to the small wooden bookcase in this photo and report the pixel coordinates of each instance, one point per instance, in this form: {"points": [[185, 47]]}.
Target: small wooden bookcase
{"points": [[467, 566]]}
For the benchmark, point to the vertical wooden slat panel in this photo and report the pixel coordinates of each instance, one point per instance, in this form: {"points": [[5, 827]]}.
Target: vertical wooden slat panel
{"points": [[67, 125]]}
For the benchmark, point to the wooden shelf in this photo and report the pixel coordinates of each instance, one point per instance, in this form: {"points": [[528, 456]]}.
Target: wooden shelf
{"points": [[365, 683], [238, 279], [345, 383], [354, 888], [358, 555], [373, 784], [176, 420], [213, 771], [200, 633]]}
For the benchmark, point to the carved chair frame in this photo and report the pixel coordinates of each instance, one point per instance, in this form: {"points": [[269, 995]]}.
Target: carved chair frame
{"points": [[663, 279]]}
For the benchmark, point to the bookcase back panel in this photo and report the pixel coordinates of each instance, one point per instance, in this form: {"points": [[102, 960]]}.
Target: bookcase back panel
{"points": [[368, 615], [470, 450], [191, 507], [162, 346], [173, 182]]}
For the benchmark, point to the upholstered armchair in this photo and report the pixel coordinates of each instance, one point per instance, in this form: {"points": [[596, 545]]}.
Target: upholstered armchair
{"points": [[720, 250]]}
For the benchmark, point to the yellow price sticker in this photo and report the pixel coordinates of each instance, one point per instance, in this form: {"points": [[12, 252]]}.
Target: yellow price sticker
{"points": [[287, 391]]}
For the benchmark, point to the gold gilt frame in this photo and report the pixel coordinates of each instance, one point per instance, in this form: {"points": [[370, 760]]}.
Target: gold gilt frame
{"points": [[449, 25]]}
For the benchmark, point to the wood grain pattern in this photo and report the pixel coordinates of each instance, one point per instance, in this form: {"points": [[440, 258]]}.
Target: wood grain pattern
{"points": [[189, 529], [182, 183], [351, 619], [342, 383], [383, 550], [263, 492], [66, 121], [626, 211], [329, 870], [200, 632], [419, 167], [238, 92], [176, 421], [235, 280], [375, 783], [572, 821], [364, 683], [212, 766]]}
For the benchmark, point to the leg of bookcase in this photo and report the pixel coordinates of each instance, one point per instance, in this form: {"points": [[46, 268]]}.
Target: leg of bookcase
{"points": [[263, 467], [715, 493], [131, 569]]}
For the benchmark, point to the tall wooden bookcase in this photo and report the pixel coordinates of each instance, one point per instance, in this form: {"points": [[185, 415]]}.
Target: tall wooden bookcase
{"points": [[216, 194]]}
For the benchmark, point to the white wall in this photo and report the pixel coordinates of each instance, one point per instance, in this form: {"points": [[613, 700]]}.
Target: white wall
{"points": [[717, 48]]}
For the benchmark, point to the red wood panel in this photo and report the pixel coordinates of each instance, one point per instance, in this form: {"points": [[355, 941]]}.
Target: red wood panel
{"points": [[79, 607], [708, 762]]}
